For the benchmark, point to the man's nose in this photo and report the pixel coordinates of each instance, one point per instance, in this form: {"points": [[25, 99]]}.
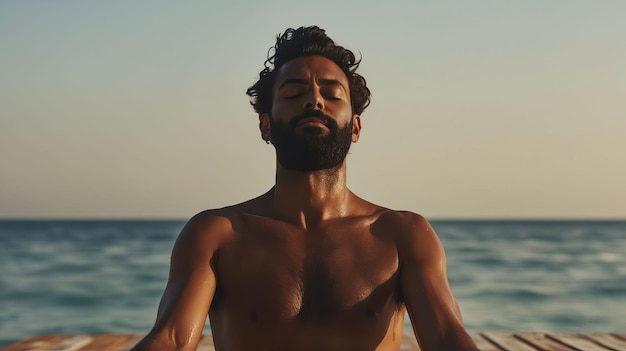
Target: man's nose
{"points": [[314, 100]]}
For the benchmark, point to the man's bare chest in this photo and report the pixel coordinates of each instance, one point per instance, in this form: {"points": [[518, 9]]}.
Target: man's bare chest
{"points": [[271, 272]]}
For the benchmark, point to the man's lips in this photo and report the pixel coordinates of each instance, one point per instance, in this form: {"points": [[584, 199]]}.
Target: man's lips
{"points": [[311, 122]]}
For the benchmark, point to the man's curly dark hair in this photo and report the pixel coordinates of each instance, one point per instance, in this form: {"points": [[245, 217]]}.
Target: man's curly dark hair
{"points": [[307, 41]]}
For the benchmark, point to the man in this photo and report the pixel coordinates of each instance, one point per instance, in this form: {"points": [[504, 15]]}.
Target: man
{"points": [[308, 265]]}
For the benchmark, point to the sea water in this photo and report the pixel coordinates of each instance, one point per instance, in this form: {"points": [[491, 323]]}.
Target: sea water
{"points": [[91, 277]]}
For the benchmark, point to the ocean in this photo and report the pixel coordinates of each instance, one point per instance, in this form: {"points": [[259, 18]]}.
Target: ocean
{"points": [[107, 276]]}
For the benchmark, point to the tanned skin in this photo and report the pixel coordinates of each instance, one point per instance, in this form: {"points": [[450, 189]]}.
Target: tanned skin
{"points": [[308, 265]]}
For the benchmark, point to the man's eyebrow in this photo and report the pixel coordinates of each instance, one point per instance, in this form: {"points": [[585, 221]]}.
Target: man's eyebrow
{"points": [[331, 81], [300, 81]]}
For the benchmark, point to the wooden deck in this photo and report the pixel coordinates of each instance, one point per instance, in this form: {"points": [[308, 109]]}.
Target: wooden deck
{"points": [[488, 341]]}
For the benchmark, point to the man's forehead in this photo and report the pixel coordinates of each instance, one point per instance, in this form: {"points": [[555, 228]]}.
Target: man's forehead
{"points": [[307, 66]]}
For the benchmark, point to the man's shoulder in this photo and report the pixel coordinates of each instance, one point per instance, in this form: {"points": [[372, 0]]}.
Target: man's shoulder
{"points": [[224, 219], [403, 221], [408, 228], [386, 215], [415, 237], [218, 219], [212, 218]]}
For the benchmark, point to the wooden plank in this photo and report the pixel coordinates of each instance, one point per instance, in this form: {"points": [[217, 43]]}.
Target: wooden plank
{"points": [[205, 344], [127, 344], [619, 336], [488, 341], [34, 343], [484, 344], [72, 343], [606, 340], [542, 342], [508, 341], [103, 342], [577, 342]]}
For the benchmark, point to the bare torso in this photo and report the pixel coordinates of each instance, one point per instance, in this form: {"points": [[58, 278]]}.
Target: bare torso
{"points": [[281, 287], [341, 283]]}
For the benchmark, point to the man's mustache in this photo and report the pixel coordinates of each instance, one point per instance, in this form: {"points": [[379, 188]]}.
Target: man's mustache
{"points": [[329, 121]]}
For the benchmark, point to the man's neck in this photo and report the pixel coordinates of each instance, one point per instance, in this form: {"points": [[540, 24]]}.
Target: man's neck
{"points": [[308, 199]]}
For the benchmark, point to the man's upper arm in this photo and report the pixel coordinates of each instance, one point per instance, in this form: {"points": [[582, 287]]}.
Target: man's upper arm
{"points": [[434, 312], [191, 285]]}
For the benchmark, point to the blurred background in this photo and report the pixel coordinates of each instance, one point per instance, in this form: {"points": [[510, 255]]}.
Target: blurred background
{"points": [[502, 122]]}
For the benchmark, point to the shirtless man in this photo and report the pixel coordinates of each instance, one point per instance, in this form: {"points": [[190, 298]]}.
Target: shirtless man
{"points": [[308, 265]]}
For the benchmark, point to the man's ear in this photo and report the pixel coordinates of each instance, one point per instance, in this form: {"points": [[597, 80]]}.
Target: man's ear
{"points": [[356, 128], [264, 127]]}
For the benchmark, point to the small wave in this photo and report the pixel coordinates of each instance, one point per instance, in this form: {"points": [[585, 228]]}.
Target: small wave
{"points": [[521, 295]]}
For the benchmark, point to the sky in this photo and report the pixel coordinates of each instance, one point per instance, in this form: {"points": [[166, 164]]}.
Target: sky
{"points": [[480, 109]]}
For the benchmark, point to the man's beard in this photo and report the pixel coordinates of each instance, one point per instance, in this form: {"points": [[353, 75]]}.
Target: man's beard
{"points": [[310, 149]]}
